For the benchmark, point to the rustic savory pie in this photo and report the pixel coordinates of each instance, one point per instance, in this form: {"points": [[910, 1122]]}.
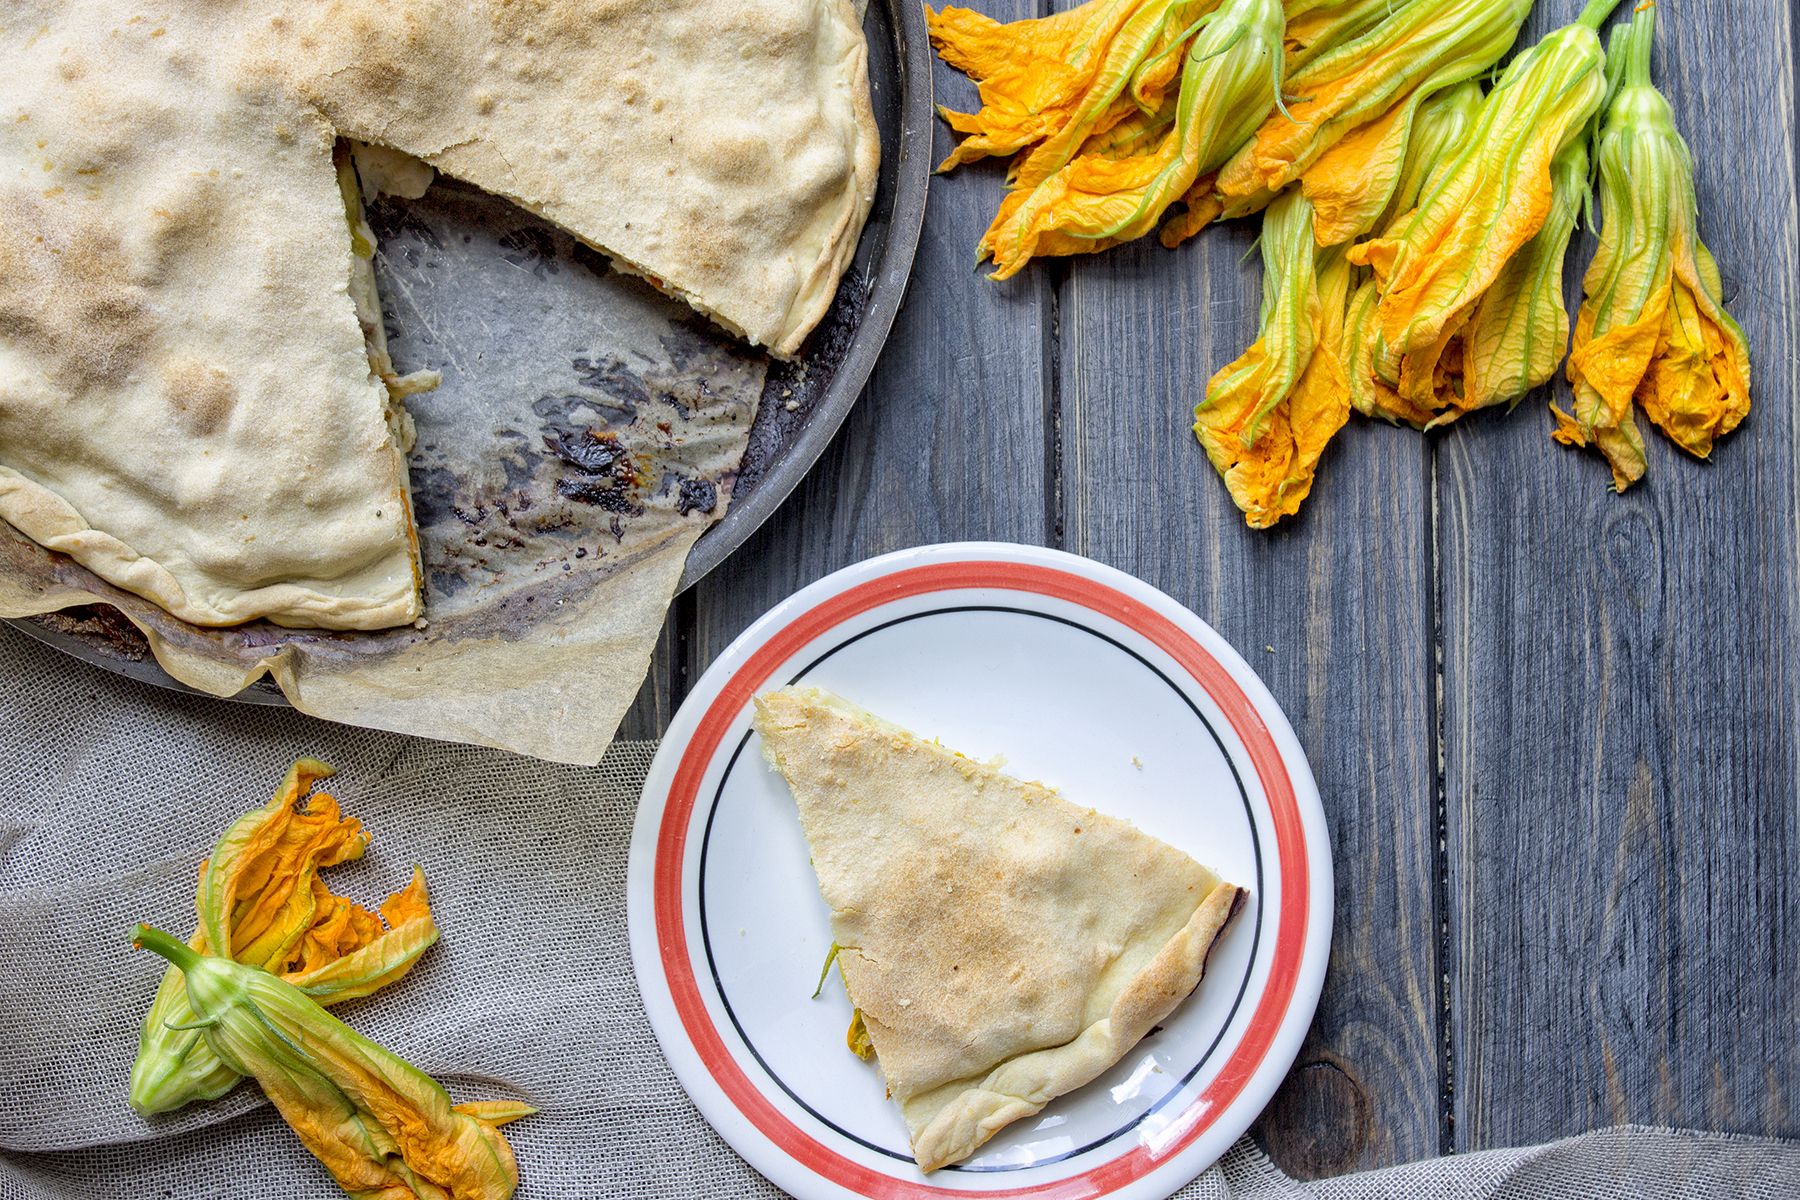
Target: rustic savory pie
{"points": [[195, 402], [1002, 946], [724, 149]]}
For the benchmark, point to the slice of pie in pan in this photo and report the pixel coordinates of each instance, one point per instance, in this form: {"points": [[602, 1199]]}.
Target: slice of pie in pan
{"points": [[1002, 946], [188, 405]]}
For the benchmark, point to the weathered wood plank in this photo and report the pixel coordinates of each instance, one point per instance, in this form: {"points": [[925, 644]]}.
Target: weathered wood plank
{"points": [[1332, 611], [1620, 694], [947, 441], [649, 714]]}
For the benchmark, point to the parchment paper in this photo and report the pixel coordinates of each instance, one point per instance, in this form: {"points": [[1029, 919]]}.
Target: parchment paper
{"points": [[586, 432]]}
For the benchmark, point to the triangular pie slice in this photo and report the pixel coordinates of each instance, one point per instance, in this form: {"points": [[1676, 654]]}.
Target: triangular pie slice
{"points": [[1002, 946]]}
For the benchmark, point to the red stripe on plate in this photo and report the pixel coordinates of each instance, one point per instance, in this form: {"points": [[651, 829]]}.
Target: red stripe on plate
{"points": [[1246, 722]]}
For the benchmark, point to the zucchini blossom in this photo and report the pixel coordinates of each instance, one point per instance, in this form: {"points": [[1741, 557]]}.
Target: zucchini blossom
{"points": [[1118, 187], [1268, 416], [1438, 128], [1031, 74], [1345, 135], [1653, 326], [382, 1127], [1512, 341], [1484, 206], [261, 903]]}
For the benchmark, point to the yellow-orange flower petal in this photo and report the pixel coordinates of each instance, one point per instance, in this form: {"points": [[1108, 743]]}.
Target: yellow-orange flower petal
{"points": [[1609, 373], [1203, 207], [1350, 184], [1519, 332], [1268, 417], [345, 968], [1697, 388], [1228, 81], [1052, 79], [255, 898], [1139, 54], [1029, 73]]}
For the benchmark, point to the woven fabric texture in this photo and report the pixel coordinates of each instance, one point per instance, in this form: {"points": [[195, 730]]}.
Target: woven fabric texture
{"points": [[110, 794]]}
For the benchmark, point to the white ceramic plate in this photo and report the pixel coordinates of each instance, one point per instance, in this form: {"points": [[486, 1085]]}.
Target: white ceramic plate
{"points": [[1076, 674]]}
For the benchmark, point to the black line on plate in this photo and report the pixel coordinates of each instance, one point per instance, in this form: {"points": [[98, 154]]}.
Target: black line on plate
{"points": [[1243, 984]]}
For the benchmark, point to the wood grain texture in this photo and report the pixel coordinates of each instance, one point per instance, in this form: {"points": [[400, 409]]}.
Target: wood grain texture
{"points": [[1331, 610], [1621, 688], [656, 700], [948, 441]]}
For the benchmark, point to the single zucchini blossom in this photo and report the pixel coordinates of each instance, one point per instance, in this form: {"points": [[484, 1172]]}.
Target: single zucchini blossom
{"points": [[261, 903], [1653, 326], [1434, 265], [1268, 416], [1117, 189], [1031, 74], [1345, 134], [382, 1127], [1438, 129]]}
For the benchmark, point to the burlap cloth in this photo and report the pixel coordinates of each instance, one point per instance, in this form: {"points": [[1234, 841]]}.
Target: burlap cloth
{"points": [[110, 793]]}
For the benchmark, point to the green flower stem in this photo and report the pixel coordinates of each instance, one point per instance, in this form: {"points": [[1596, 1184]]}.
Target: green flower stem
{"points": [[1634, 49], [185, 958], [1596, 12]]}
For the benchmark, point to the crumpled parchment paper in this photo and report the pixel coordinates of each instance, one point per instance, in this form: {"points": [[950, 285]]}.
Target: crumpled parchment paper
{"points": [[587, 430]]}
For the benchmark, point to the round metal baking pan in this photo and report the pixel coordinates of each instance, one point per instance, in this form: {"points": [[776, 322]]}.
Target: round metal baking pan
{"points": [[791, 431], [803, 402]]}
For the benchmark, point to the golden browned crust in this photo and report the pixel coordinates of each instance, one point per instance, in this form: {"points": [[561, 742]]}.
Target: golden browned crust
{"points": [[724, 149], [186, 407]]}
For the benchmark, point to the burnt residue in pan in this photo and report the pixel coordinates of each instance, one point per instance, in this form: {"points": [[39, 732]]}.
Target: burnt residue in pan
{"points": [[696, 495], [582, 416], [603, 472]]}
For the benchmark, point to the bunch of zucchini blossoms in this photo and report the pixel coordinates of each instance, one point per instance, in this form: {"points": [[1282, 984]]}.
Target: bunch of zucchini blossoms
{"points": [[245, 996], [1414, 224]]}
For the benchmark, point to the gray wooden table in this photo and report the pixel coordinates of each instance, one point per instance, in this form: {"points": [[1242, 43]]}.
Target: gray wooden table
{"points": [[1557, 731]]}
